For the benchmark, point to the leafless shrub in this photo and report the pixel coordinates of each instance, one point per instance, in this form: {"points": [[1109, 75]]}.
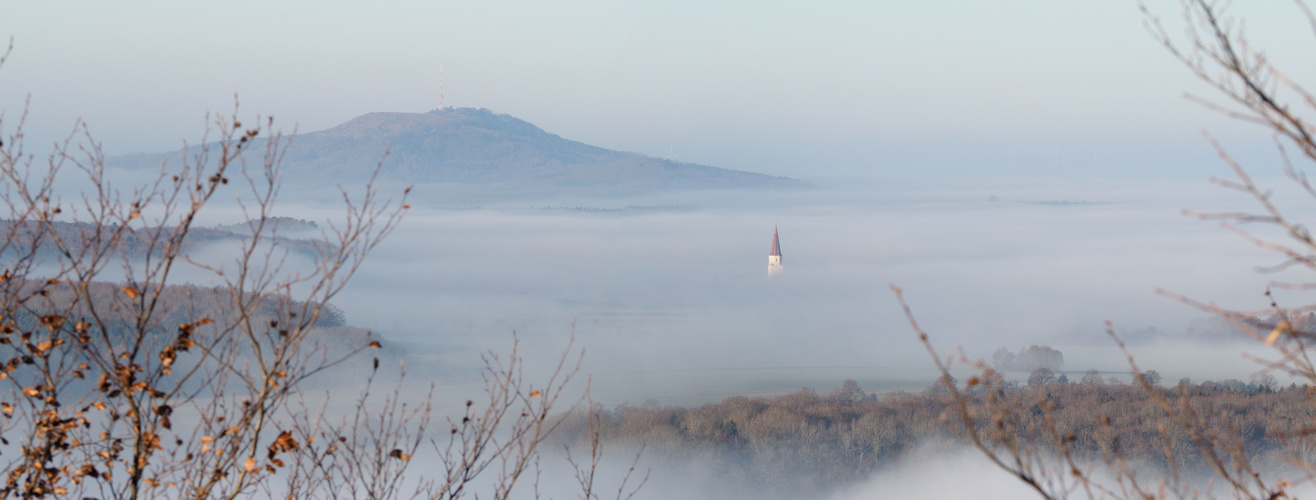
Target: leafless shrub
{"points": [[1215, 48], [227, 364], [585, 472], [118, 383]]}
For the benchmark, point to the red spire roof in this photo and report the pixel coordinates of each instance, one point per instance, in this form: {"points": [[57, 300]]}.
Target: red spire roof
{"points": [[776, 245]]}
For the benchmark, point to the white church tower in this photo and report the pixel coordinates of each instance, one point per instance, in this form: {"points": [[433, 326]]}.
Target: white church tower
{"points": [[774, 258]]}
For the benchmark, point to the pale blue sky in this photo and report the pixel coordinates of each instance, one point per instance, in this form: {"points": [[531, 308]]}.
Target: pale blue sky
{"points": [[1047, 88]]}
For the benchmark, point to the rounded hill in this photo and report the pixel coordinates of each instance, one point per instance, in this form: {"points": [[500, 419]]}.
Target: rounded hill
{"points": [[480, 147]]}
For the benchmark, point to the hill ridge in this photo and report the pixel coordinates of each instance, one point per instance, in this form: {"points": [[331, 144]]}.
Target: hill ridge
{"points": [[477, 146]]}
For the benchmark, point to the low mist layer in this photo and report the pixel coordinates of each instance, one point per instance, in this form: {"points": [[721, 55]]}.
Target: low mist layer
{"points": [[674, 304]]}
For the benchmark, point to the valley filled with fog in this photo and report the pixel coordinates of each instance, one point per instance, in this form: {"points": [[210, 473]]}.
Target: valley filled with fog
{"points": [[670, 299], [573, 254], [741, 385]]}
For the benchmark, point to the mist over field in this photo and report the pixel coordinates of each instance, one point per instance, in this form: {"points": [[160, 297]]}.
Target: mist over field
{"points": [[670, 299], [672, 305]]}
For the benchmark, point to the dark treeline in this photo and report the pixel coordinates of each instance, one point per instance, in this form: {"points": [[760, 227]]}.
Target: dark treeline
{"points": [[173, 307], [75, 236], [172, 304], [808, 440]]}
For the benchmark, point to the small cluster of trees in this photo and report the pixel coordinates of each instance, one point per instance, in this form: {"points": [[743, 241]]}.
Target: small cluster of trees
{"points": [[1027, 360], [277, 224]]}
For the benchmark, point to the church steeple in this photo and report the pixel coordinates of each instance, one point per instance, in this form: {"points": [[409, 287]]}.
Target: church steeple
{"points": [[774, 258]]}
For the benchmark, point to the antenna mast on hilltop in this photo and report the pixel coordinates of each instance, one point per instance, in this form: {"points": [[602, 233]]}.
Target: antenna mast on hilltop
{"points": [[440, 85]]}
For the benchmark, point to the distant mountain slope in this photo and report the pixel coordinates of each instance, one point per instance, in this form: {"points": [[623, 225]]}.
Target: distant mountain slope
{"points": [[477, 146]]}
